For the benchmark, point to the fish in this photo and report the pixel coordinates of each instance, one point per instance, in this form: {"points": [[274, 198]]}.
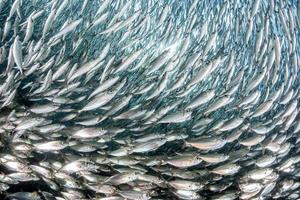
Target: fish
{"points": [[258, 174], [227, 169], [203, 98], [137, 99], [148, 146], [184, 161], [50, 146], [122, 178], [187, 194], [17, 53], [88, 133], [207, 143], [131, 194], [186, 185]]}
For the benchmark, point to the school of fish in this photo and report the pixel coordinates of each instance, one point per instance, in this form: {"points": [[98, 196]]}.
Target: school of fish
{"points": [[149, 99]]}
